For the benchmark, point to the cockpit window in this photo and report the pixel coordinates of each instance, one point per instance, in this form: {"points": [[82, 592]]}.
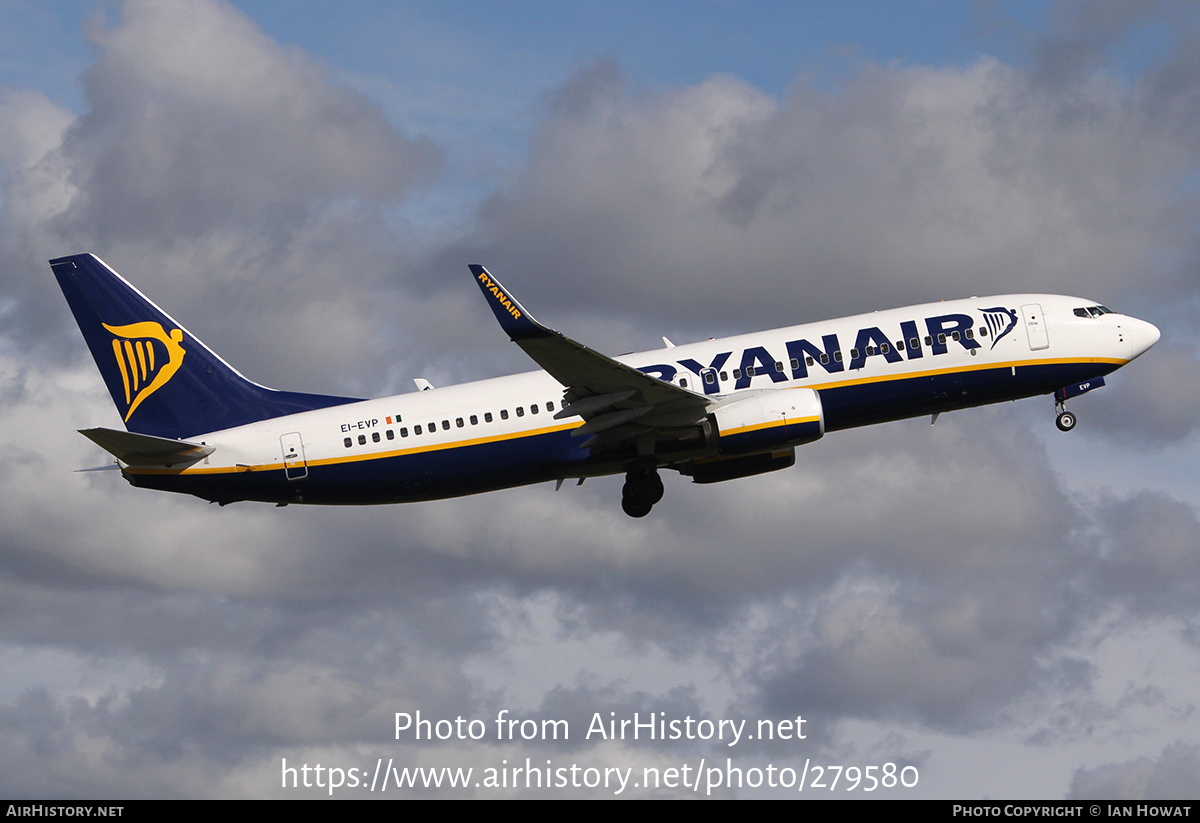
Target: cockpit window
{"points": [[1092, 311]]}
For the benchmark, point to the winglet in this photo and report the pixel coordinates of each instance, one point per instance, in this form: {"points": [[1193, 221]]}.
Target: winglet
{"points": [[516, 322]]}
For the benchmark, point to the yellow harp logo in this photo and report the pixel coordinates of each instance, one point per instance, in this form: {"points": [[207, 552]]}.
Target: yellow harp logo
{"points": [[147, 357]]}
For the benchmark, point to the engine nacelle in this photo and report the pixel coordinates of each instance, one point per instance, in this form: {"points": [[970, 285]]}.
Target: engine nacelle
{"points": [[768, 421]]}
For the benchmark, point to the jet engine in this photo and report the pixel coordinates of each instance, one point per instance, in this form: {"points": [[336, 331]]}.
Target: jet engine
{"points": [[768, 421]]}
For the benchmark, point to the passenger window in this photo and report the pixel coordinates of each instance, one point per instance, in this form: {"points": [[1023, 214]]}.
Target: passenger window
{"points": [[683, 382], [913, 343], [724, 376], [432, 427], [808, 361], [854, 354], [374, 437], [795, 364], [474, 420], [955, 335], [970, 333], [520, 411], [417, 429], [391, 435], [458, 421], [446, 425], [899, 345], [533, 409], [750, 371], [837, 355], [983, 331], [941, 338], [362, 440], [824, 358], [550, 406], [779, 367], [349, 442], [504, 414], [487, 417], [404, 431], [884, 349], [710, 378], [737, 374], [928, 340]]}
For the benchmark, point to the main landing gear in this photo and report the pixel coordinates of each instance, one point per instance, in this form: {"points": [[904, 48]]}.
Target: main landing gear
{"points": [[643, 488]]}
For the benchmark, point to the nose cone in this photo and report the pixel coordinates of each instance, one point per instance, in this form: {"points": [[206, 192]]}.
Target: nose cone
{"points": [[1140, 334]]}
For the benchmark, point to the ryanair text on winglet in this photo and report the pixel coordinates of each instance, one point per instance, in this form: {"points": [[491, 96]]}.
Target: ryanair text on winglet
{"points": [[491, 286]]}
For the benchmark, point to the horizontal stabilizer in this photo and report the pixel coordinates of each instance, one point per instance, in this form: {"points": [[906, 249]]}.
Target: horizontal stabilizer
{"points": [[147, 450]]}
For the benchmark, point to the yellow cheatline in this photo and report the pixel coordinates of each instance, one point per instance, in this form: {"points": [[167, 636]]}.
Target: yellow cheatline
{"points": [[358, 458], [885, 378]]}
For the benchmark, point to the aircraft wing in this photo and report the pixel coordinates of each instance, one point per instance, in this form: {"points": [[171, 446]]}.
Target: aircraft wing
{"points": [[147, 450], [610, 396]]}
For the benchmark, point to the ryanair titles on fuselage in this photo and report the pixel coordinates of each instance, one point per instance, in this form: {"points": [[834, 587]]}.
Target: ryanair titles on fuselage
{"points": [[499, 295], [940, 332]]}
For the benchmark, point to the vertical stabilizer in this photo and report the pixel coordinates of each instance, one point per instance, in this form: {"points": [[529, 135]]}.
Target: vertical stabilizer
{"points": [[164, 381]]}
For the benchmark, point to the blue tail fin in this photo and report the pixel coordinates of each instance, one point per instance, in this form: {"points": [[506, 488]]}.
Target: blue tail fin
{"points": [[164, 381]]}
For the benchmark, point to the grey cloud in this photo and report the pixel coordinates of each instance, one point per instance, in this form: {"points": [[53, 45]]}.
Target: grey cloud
{"points": [[925, 577], [1155, 400], [1169, 776], [197, 120], [1149, 555], [1080, 37], [213, 167], [909, 184], [30, 126]]}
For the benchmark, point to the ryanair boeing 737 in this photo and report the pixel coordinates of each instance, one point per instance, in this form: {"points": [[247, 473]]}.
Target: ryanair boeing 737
{"points": [[712, 411]]}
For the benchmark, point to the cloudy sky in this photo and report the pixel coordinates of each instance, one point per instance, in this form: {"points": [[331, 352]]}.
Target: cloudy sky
{"points": [[1009, 611]]}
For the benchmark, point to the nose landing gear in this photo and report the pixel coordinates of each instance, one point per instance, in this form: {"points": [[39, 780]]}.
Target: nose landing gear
{"points": [[1065, 420], [643, 488]]}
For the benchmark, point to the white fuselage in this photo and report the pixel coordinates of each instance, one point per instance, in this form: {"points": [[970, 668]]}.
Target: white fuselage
{"points": [[501, 432]]}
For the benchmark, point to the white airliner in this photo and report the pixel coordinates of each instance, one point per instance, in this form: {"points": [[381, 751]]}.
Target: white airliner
{"points": [[712, 411]]}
